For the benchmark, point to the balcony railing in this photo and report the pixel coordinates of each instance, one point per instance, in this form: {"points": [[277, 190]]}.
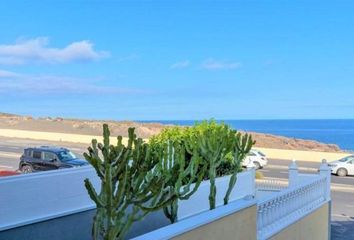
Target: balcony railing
{"points": [[272, 185], [281, 209]]}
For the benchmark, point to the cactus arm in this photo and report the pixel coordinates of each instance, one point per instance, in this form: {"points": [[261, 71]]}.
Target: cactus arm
{"points": [[232, 184], [94, 159], [96, 229], [168, 212], [212, 193], [242, 147], [117, 158], [122, 185], [109, 194], [92, 193], [173, 211], [201, 175]]}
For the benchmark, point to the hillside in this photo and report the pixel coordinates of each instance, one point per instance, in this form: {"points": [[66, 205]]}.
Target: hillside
{"points": [[144, 130]]}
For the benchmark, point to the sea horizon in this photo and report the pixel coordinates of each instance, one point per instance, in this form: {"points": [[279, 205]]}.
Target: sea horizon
{"points": [[329, 131]]}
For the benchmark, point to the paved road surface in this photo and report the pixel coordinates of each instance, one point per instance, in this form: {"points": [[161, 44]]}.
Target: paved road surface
{"points": [[342, 196], [11, 150]]}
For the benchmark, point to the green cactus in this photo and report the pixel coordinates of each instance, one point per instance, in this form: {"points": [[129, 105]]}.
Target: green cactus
{"points": [[242, 146], [189, 172], [128, 179], [180, 173], [171, 211], [213, 142], [220, 149]]}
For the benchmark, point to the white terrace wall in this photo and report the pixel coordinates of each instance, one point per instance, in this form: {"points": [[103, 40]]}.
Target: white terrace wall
{"points": [[238, 221], [300, 211], [26, 199], [199, 201], [36, 197], [235, 221]]}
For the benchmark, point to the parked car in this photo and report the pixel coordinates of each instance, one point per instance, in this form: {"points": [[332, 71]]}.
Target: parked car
{"points": [[48, 158], [343, 167], [255, 159], [5, 173]]}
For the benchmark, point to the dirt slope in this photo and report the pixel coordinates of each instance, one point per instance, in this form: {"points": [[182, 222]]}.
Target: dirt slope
{"points": [[144, 130]]}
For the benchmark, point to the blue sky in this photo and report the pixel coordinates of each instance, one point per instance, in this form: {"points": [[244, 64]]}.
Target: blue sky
{"points": [[143, 60]]}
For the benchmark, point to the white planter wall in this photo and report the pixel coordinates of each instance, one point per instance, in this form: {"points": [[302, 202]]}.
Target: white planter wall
{"points": [[25, 199], [199, 201]]}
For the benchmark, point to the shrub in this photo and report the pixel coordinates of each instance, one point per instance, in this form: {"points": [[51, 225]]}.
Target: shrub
{"points": [[221, 149], [182, 134]]}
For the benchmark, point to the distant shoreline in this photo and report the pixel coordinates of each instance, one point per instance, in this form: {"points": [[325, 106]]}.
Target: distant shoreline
{"points": [[69, 139], [145, 129], [329, 131]]}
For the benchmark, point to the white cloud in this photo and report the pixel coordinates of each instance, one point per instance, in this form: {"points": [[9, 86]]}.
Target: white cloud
{"points": [[212, 64], [8, 74], [181, 64], [37, 50], [11, 83]]}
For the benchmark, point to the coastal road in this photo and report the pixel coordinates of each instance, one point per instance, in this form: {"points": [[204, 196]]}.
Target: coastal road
{"points": [[342, 187], [11, 149]]}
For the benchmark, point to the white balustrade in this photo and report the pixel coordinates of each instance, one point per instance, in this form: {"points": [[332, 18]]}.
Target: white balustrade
{"points": [[293, 173], [272, 185], [304, 195]]}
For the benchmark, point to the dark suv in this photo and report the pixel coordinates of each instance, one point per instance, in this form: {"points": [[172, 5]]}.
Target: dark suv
{"points": [[48, 158]]}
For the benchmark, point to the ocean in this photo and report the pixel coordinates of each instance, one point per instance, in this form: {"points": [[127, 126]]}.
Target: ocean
{"points": [[340, 132]]}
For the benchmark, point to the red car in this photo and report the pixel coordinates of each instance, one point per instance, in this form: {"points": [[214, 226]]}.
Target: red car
{"points": [[4, 173]]}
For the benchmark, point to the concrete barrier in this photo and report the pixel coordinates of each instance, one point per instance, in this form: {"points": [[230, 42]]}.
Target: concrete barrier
{"points": [[309, 156]]}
